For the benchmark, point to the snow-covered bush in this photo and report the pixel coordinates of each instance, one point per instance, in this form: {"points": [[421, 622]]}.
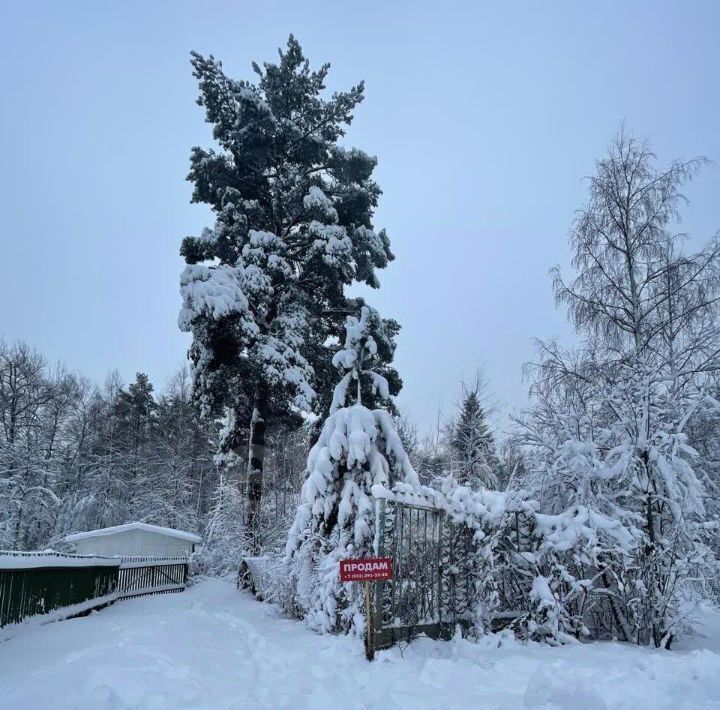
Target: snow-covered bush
{"points": [[611, 463], [540, 573]]}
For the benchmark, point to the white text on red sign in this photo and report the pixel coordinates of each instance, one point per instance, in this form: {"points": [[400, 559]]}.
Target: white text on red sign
{"points": [[365, 570]]}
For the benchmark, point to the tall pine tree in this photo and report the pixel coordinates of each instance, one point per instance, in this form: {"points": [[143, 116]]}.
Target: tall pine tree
{"points": [[293, 227]]}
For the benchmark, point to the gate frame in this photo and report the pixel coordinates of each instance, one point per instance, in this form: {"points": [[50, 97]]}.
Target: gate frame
{"points": [[385, 637]]}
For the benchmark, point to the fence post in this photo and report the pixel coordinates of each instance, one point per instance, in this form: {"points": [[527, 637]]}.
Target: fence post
{"points": [[379, 544]]}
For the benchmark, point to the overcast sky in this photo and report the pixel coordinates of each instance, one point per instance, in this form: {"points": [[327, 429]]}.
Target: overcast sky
{"points": [[484, 117]]}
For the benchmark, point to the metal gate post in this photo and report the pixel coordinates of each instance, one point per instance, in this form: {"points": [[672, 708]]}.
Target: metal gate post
{"points": [[379, 552]]}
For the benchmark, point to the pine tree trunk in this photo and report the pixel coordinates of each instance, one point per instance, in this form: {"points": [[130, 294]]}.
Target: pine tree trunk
{"points": [[255, 466]]}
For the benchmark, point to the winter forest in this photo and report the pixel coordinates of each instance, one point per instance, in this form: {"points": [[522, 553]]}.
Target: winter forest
{"points": [[592, 513]]}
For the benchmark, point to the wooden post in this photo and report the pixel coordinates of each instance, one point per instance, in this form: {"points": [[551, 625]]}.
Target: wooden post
{"points": [[369, 650], [369, 570]]}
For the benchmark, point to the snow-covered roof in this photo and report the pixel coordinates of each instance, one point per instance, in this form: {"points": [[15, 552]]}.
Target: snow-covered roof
{"points": [[169, 532]]}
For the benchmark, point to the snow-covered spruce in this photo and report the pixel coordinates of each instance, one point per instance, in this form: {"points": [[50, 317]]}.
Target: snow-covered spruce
{"points": [[474, 461], [358, 449]]}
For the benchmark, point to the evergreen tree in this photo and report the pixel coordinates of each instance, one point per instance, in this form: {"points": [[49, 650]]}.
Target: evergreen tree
{"points": [[475, 463], [135, 410], [358, 448], [293, 227]]}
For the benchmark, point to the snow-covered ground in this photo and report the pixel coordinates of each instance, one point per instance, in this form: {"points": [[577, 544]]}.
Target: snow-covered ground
{"points": [[211, 647]]}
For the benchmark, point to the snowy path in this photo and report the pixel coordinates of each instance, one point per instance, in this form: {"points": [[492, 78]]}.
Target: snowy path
{"points": [[211, 647]]}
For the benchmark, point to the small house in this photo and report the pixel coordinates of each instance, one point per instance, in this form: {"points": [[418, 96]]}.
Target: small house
{"points": [[134, 539]]}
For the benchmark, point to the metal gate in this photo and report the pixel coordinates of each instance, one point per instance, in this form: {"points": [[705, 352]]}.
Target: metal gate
{"points": [[433, 582]]}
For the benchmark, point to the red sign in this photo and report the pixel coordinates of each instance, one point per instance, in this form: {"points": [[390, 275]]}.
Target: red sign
{"points": [[368, 569]]}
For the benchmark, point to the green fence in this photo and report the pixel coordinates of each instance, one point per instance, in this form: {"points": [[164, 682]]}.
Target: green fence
{"points": [[33, 584]]}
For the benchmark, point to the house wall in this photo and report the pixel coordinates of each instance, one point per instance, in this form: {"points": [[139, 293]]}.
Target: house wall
{"points": [[134, 542]]}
